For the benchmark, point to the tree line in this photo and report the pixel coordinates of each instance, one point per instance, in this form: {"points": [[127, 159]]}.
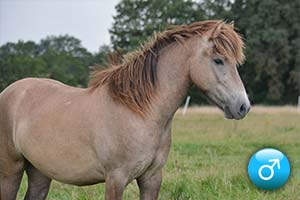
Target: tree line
{"points": [[271, 30]]}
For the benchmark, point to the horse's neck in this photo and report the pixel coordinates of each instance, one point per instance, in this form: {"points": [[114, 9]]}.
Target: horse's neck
{"points": [[173, 81]]}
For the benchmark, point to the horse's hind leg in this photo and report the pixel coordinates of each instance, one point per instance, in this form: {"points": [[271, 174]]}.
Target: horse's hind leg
{"points": [[38, 184], [10, 179]]}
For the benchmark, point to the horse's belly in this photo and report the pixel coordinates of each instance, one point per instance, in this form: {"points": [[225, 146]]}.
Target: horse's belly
{"points": [[72, 173], [80, 177], [72, 170], [68, 161]]}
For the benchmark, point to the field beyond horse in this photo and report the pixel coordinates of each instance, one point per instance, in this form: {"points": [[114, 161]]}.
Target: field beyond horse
{"points": [[209, 156]]}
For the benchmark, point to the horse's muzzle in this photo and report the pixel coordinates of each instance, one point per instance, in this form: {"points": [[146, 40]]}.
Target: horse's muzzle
{"points": [[238, 110]]}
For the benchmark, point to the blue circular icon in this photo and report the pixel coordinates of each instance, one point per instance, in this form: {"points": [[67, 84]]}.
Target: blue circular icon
{"points": [[269, 169]]}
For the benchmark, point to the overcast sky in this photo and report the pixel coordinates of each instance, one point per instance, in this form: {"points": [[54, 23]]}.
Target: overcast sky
{"points": [[88, 20]]}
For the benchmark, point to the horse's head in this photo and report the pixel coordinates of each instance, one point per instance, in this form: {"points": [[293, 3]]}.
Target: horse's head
{"points": [[213, 69]]}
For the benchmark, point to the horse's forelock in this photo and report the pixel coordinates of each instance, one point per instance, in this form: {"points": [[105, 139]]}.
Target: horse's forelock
{"points": [[229, 43]]}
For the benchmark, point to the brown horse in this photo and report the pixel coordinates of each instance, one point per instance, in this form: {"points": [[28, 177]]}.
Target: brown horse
{"points": [[119, 128]]}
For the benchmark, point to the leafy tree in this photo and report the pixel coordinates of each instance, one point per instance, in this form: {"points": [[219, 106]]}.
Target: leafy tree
{"points": [[66, 59], [61, 58], [18, 61], [271, 31], [136, 20], [100, 58]]}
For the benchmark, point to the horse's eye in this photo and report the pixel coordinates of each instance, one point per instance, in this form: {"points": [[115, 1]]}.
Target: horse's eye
{"points": [[218, 61]]}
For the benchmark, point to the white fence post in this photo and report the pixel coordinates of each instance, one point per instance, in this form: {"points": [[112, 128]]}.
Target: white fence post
{"points": [[187, 101]]}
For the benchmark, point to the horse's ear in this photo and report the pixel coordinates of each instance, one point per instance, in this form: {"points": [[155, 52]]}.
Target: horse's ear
{"points": [[232, 24], [216, 30]]}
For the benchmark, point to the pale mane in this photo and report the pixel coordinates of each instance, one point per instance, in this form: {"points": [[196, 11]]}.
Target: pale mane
{"points": [[132, 80]]}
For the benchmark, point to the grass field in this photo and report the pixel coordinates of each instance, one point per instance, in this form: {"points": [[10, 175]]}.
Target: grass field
{"points": [[209, 155]]}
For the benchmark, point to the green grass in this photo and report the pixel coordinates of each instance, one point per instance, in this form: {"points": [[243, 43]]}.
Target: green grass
{"points": [[208, 159]]}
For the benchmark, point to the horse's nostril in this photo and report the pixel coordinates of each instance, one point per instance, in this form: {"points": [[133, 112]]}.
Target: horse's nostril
{"points": [[243, 109]]}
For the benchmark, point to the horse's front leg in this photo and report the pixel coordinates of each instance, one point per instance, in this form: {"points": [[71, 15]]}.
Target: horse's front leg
{"points": [[149, 185], [115, 184]]}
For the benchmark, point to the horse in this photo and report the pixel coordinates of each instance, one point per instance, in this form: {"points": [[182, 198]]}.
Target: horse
{"points": [[118, 129]]}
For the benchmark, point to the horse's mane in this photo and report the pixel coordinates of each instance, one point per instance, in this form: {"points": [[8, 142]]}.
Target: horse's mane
{"points": [[132, 78]]}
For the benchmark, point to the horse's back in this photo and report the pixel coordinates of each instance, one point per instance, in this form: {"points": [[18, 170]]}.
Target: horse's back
{"points": [[28, 89], [14, 92]]}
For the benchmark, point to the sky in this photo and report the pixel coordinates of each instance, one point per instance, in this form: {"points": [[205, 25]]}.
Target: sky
{"points": [[87, 20]]}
